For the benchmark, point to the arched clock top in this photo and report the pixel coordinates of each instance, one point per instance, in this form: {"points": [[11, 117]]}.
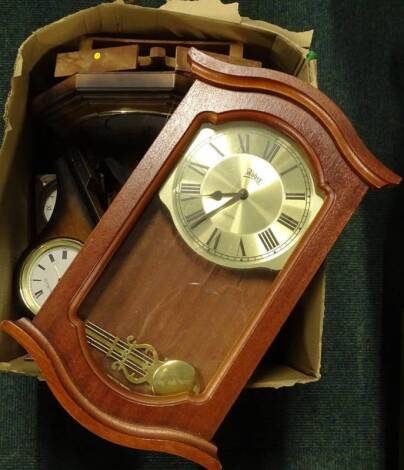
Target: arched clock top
{"points": [[355, 152]]}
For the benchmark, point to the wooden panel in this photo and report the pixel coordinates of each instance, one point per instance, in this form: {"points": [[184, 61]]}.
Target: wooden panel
{"points": [[97, 60], [188, 309]]}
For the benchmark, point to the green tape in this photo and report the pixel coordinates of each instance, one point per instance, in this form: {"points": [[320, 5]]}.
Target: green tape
{"points": [[311, 55]]}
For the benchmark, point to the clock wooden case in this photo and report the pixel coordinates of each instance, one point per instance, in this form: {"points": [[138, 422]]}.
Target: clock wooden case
{"points": [[98, 103], [69, 208], [158, 325], [84, 101]]}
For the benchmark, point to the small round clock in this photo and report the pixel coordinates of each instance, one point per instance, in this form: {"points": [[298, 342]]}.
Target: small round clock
{"points": [[48, 201], [43, 268], [242, 196]]}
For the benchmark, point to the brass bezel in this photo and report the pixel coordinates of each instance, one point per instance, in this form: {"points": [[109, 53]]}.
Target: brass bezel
{"points": [[23, 278], [277, 261]]}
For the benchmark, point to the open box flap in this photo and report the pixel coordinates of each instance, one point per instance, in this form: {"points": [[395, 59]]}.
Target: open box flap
{"points": [[230, 12]]}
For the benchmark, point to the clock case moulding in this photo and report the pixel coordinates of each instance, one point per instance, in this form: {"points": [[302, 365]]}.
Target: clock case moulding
{"points": [[185, 424], [298, 355]]}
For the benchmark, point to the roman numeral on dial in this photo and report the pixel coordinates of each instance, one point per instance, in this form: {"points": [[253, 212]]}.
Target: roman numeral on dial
{"points": [[38, 294], [288, 221], [190, 188], [195, 216], [241, 249], [296, 196], [214, 239], [271, 151], [244, 143], [268, 239], [216, 149], [288, 170], [198, 168]]}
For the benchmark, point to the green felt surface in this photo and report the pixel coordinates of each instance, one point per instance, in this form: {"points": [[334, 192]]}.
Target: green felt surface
{"points": [[350, 418]]}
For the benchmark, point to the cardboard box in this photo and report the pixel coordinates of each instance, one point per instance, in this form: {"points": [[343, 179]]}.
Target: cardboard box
{"points": [[296, 355]]}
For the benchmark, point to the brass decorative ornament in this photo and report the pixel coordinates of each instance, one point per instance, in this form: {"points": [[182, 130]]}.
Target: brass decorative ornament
{"points": [[196, 265], [139, 363]]}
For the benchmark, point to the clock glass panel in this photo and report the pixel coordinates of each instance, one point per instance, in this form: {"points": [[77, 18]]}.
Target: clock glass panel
{"points": [[198, 265]]}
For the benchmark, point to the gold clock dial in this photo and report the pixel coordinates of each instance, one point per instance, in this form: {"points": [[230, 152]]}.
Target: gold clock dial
{"points": [[43, 268], [242, 195]]}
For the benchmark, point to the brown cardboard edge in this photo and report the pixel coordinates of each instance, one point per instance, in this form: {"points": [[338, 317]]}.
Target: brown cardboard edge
{"points": [[281, 376], [304, 362], [214, 9], [22, 366]]}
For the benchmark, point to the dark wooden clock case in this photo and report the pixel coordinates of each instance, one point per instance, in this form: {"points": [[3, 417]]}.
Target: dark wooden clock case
{"points": [[69, 105], [184, 425]]}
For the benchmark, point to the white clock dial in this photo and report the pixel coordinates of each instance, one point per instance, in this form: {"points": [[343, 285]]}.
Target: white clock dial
{"points": [[43, 269]]}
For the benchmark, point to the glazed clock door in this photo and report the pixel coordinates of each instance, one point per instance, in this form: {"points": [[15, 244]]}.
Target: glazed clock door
{"points": [[197, 267]]}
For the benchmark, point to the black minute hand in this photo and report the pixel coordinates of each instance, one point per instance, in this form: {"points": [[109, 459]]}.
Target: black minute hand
{"points": [[218, 195], [228, 203]]}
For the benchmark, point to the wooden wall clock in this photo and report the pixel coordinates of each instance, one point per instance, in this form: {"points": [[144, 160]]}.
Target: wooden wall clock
{"points": [[99, 103], [93, 105], [187, 279], [69, 208]]}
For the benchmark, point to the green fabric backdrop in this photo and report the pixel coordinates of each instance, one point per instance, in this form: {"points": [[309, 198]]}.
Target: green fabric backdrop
{"points": [[350, 418]]}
